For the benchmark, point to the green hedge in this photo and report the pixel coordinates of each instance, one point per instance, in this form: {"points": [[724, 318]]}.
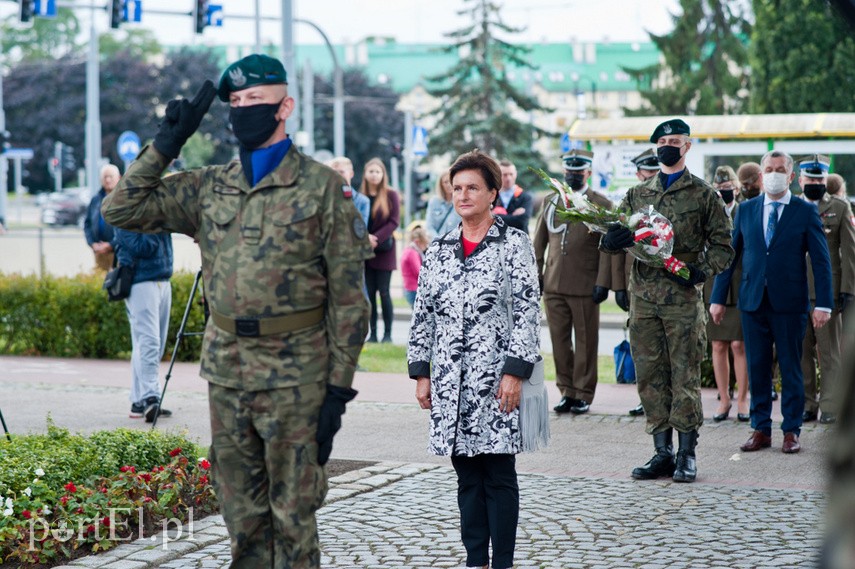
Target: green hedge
{"points": [[71, 317]]}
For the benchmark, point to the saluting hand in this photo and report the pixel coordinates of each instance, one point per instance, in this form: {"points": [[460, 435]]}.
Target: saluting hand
{"points": [[181, 120]]}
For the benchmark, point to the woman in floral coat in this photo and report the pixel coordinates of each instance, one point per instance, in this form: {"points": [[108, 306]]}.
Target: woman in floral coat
{"points": [[469, 361]]}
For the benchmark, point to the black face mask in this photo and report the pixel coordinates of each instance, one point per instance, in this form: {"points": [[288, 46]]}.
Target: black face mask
{"points": [[750, 192], [255, 124], [726, 195], [575, 181], [669, 155], [814, 192]]}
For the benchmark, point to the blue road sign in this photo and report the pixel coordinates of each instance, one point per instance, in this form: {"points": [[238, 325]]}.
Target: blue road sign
{"points": [[420, 135], [45, 8], [128, 145], [22, 153], [215, 15], [132, 11], [565, 144]]}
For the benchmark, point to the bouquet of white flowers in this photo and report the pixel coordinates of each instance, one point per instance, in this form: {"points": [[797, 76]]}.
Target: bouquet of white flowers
{"points": [[653, 233]]}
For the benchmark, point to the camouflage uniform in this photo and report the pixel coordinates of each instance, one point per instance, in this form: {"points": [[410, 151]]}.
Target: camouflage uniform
{"points": [[274, 252], [666, 319]]}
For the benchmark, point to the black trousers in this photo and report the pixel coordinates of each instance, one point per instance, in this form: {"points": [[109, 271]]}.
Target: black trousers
{"points": [[489, 501], [378, 281]]}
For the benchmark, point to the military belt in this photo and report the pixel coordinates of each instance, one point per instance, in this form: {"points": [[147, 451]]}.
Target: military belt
{"points": [[689, 257], [254, 327]]}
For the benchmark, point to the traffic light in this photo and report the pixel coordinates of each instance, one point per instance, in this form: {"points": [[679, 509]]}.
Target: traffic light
{"points": [[116, 9], [421, 190], [68, 161], [200, 15], [4, 141], [26, 10]]}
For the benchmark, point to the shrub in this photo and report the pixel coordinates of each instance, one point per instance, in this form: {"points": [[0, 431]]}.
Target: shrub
{"points": [[64, 495], [71, 317]]}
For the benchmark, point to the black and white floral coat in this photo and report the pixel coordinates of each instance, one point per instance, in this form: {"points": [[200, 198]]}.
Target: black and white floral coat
{"points": [[460, 336]]}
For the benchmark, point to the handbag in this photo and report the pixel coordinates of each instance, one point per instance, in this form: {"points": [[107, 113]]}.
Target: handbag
{"points": [[118, 281], [534, 403], [624, 366], [385, 245]]}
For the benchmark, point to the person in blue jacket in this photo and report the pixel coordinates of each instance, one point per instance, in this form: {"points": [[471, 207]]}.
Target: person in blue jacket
{"points": [[148, 308], [99, 234]]}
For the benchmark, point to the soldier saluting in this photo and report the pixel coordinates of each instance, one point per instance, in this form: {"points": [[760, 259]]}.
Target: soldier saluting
{"points": [[282, 261]]}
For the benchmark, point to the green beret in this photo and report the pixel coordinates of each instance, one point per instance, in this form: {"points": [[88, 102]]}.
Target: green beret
{"points": [[667, 128], [252, 70]]}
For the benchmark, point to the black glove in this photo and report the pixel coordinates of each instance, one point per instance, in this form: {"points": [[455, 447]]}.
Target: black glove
{"points": [[622, 300], [181, 120], [329, 421], [844, 300], [600, 294], [617, 238], [696, 276]]}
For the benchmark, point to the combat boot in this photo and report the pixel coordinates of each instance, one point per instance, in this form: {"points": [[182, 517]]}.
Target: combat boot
{"points": [[686, 469], [662, 463]]}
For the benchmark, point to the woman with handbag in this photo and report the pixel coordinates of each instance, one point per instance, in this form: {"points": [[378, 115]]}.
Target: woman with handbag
{"points": [[383, 220], [474, 341]]}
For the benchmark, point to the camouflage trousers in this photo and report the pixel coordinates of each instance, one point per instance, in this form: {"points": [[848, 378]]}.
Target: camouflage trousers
{"points": [[265, 472], [668, 342]]}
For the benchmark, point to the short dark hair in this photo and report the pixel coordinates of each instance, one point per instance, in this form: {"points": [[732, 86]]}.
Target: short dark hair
{"points": [[484, 164]]}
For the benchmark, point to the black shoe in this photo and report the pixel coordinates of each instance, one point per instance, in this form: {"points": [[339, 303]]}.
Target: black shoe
{"points": [[137, 411], [743, 417], [774, 395], [686, 469], [828, 418], [580, 407], [809, 416], [637, 411], [387, 339], [564, 405], [662, 463], [152, 410], [722, 416], [372, 339]]}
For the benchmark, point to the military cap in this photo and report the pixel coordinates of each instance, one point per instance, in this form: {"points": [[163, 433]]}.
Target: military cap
{"points": [[814, 166], [748, 173], [725, 174], [252, 70], [647, 160], [578, 160], [669, 127]]}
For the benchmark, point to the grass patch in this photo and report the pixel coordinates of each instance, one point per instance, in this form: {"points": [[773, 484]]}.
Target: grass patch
{"points": [[390, 358]]}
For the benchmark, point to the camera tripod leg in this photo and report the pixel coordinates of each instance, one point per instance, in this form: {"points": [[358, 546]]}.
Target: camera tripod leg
{"points": [[178, 337], [5, 429]]}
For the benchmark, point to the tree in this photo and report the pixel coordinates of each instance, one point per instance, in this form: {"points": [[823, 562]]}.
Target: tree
{"points": [[140, 42], [801, 59], [478, 102], [704, 62], [371, 123], [46, 38]]}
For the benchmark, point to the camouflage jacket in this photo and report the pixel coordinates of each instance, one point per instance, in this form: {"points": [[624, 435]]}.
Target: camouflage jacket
{"points": [[702, 233], [290, 243]]}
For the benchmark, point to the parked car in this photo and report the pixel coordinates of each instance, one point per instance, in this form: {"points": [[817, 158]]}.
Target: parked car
{"points": [[64, 208]]}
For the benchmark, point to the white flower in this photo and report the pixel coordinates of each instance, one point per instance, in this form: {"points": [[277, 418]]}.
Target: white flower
{"points": [[580, 202], [558, 186], [8, 512], [47, 511], [9, 502], [28, 491], [40, 472]]}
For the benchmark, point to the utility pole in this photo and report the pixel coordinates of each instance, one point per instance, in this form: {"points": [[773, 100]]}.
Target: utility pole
{"points": [[308, 110], [288, 60], [258, 26], [93, 112], [4, 163]]}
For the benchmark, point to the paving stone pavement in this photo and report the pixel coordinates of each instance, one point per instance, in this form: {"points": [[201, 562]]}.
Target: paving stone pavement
{"points": [[394, 515]]}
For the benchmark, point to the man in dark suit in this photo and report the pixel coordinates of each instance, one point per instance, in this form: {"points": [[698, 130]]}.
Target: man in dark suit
{"points": [[771, 235], [514, 205]]}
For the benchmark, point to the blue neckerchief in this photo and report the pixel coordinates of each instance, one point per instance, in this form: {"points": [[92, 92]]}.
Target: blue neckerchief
{"points": [[265, 160], [668, 179]]}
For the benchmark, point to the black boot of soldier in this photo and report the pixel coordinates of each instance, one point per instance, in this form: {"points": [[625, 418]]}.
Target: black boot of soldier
{"points": [[686, 469], [662, 463]]}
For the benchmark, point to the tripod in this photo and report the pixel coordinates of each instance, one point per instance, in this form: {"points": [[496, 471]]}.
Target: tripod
{"points": [[5, 429], [180, 336]]}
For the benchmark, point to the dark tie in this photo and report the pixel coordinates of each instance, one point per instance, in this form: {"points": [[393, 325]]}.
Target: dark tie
{"points": [[772, 223]]}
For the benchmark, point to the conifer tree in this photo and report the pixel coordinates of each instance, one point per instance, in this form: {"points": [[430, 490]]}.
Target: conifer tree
{"points": [[480, 108]]}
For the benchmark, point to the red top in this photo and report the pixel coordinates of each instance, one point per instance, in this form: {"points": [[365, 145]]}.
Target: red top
{"points": [[468, 246]]}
